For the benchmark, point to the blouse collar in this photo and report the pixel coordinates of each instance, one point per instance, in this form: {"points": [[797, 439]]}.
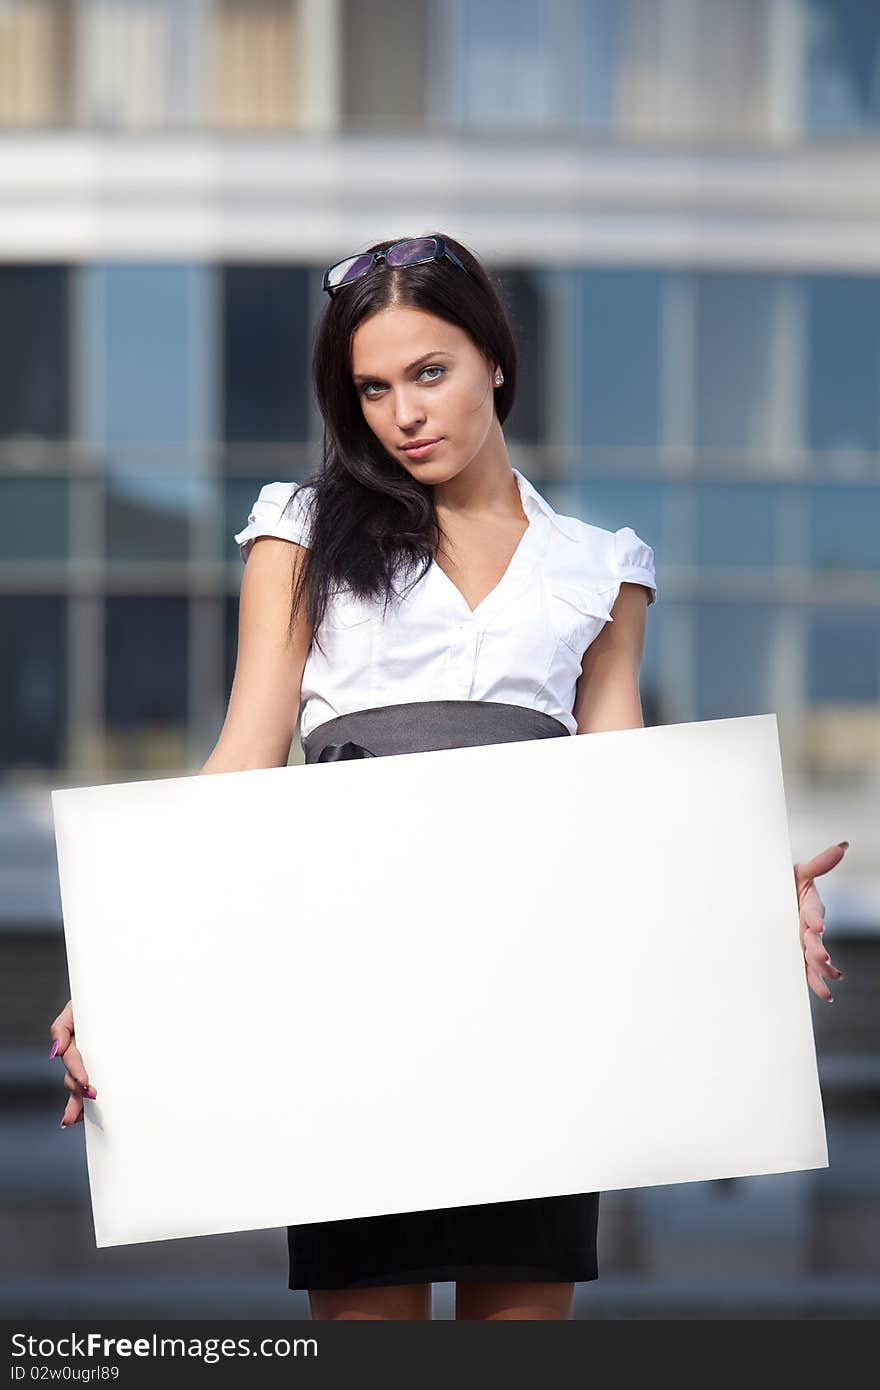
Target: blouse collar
{"points": [[533, 503]]}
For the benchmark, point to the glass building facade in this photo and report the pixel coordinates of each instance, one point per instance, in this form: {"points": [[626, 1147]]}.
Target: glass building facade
{"points": [[145, 403], [712, 71]]}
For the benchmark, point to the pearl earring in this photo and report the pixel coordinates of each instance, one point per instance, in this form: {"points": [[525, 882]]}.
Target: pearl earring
{"points": [[499, 378]]}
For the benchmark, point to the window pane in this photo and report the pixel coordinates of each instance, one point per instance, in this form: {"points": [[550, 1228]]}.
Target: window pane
{"points": [[843, 727], [254, 51], [733, 659], [733, 356], [843, 386], [36, 48], [148, 516], [845, 528], [385, 62], [148, 400], [133, 56], [266, 353], [145, 656], [559, 57], [843, 91], [34, 364], [148, 375], [600, 62], [844, 655], [504, 47], [617, 395], [694, 69], [736, 524], [33, 685], [37, 512]]}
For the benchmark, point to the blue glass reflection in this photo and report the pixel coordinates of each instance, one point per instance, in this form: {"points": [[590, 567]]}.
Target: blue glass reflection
{"points": [[844, 656], [733, 659], [843, 381], [845, 527], [736, 524], [843, 65], [148, 399], [617, 391]]}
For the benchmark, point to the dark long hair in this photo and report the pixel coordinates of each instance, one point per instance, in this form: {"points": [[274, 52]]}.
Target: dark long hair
{"points": [[370, 522]]}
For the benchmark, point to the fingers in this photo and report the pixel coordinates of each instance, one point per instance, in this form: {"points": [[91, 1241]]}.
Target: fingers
{"points": [[73, 1110], [72, 1059], [61, 1029], [816, 953], [819, 966], [73, 1085], [813, 913], [818, 985], [813, 957], [811, 909], [823, 862], [76, 1077]]}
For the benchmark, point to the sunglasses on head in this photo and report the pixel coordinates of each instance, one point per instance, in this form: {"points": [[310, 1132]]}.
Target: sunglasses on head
{"points": [[411, 251]]}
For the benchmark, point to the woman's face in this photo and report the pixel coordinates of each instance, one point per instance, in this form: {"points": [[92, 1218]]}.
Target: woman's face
{"points": [[419, 377]]}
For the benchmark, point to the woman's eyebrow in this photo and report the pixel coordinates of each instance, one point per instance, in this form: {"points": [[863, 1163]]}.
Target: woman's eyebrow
{"points": [[366, 376]]}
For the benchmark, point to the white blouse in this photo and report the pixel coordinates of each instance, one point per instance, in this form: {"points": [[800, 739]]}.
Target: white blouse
{"points": [[523, 644]]}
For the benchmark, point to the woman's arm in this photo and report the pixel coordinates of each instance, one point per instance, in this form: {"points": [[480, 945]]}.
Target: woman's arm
{"points": [[608, 688], [257, 732], [608, 698], [267, 687]]}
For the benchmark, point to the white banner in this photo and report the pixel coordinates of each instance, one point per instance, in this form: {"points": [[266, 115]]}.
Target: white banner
{"points": [[435, 979]]}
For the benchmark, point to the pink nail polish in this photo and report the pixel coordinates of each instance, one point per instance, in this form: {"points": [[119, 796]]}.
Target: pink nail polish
{"points": [[63, 1125], [55, 1047]]}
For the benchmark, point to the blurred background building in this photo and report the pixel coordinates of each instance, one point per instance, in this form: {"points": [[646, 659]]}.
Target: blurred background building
{"points": [[681, 202]]}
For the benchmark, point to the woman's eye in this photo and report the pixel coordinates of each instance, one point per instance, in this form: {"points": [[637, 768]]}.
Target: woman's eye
{"points": [[366, 391]]}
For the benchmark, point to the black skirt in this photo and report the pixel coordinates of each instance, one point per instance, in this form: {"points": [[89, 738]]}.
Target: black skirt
{"points": [[537, 1239]]}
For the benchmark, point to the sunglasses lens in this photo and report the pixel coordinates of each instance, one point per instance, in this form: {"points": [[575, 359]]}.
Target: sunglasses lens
{"points": [[410, 252], [349, 270]]}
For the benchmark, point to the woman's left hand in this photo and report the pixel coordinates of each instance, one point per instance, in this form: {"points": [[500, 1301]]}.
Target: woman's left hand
{"points": [[812, 918]]}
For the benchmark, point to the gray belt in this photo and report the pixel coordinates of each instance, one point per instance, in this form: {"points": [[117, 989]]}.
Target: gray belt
{"points": [[421, 726]]}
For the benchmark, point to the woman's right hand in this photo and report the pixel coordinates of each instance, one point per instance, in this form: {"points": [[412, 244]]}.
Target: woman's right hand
{"points": [[75, 1078]]}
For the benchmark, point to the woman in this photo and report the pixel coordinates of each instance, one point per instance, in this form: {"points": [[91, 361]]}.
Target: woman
{"points": [[451, 605]]}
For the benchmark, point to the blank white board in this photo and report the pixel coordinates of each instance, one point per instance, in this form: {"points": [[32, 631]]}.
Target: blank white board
{"points": [[465, 976]]}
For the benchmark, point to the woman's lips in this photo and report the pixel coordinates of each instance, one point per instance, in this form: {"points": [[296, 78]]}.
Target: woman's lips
{"points": [[422, 450]]}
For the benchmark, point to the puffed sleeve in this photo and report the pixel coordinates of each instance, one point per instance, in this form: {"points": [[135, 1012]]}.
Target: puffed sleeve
{"points": [[635, 561], [282, 509]]}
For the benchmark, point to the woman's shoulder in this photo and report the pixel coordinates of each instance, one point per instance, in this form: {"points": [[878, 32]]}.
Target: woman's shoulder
{"points": [[281, 509], [605, 559]]}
